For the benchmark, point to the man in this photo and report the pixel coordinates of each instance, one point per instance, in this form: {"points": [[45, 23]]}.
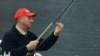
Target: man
{"points": [[20, 41]]}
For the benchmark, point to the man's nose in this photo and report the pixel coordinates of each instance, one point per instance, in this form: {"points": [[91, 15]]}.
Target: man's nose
{"points": [[32, 20]]}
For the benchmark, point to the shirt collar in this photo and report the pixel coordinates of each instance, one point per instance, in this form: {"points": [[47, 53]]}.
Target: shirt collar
{"points": [[21, 31]]}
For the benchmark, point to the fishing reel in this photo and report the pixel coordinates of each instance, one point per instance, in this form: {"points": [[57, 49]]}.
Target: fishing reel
{"points": [[37, 54]]}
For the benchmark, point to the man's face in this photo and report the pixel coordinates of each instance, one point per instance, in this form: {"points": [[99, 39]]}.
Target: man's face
{"points": [[27, 21]]}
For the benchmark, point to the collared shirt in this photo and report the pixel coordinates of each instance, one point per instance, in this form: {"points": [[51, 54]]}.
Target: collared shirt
{"points": [[15, 39], [21, 31]]}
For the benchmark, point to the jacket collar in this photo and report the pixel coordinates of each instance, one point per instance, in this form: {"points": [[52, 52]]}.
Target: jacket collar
{"points": [[20, 30], [16, 31]]}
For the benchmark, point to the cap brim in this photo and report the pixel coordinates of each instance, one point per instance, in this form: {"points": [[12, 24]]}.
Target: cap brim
{"points": [[31, 14]]}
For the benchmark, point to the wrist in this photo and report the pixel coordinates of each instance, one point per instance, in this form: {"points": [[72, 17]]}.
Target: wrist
{"points": [[56, 34], [27, 46]]}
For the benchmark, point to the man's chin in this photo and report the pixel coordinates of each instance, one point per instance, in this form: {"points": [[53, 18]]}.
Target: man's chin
{"points": [[29, 27]]}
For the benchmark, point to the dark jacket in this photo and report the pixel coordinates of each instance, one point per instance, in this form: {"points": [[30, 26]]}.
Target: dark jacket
{"points": [[16, 43]]}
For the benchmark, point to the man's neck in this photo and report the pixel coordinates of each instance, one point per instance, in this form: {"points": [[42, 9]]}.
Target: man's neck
{"points": [[21, 29]]}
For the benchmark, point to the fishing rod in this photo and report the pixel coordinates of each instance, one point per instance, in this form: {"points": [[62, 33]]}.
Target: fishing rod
{"points": [[55, 20], [62, 13]]}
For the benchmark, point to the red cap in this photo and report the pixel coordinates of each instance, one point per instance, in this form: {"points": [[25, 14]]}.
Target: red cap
{"points": [[23, 12]]}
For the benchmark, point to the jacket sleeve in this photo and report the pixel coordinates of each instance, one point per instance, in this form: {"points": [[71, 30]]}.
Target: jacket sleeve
{"points": [[47, 43], [8, 44]]}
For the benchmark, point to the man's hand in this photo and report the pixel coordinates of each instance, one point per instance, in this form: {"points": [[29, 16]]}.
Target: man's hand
{"points": [[32, 45], [58, 29]]}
